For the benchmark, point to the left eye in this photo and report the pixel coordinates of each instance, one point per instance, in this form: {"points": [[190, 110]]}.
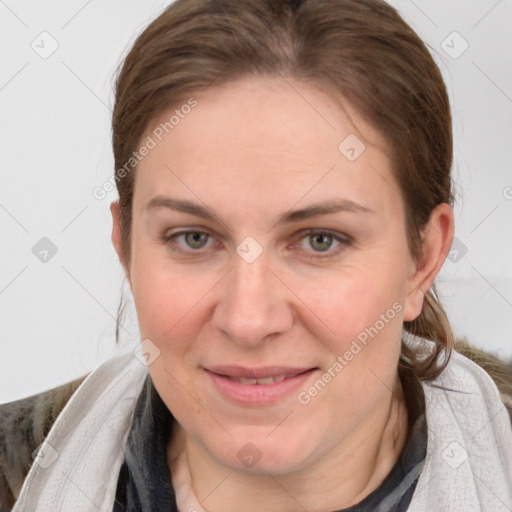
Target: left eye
{"points": [[322, 242]]}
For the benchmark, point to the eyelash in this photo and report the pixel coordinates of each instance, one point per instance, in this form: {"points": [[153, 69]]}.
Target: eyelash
{"points": [[345, 241]]}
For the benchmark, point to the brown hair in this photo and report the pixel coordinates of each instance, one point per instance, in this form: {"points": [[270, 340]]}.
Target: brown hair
{"points": [[361, 47]]}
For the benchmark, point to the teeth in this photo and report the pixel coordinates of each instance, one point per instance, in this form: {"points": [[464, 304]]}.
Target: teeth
{"points": [[263, 380], [266, 380], [243, 380]]}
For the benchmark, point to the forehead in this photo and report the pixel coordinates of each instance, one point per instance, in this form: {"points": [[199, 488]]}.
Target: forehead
{"points": [[265, 134]]}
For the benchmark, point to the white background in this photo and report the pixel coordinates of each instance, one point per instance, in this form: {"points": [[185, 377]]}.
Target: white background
{"points": [[57, 319]]}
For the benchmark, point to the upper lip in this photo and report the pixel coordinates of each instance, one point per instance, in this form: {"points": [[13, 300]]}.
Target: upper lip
{"points": [[257, 373]]}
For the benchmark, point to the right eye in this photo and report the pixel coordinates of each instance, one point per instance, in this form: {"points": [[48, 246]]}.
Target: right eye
{"points": [[193, 239]]}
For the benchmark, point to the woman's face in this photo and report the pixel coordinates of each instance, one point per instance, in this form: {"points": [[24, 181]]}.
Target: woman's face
{"points": [[242, 290]]}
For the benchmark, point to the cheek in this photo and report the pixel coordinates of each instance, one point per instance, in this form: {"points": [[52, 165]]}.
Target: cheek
{"points": [[364, 317], [166, 296], [169, 314], [358, 306]]}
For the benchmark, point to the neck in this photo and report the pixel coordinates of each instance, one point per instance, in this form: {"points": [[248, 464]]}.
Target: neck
{"points": [[341, 479]]}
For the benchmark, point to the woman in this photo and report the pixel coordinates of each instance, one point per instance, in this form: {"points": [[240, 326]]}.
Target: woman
{"points": [[283, 171]]}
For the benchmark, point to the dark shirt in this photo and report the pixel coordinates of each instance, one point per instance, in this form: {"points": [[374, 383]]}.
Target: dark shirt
{"points": [[145, 484]]}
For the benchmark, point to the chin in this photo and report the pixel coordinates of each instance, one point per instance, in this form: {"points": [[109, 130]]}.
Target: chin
{"points": [[261, 454]]}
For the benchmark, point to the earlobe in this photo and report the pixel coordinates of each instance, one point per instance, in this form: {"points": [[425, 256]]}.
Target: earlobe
{"points": [[437, 240]]}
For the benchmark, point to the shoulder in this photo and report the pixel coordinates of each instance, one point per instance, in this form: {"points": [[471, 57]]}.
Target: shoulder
{"points": [[469, 436], [24, 424], [474, 360], [470, 371]]}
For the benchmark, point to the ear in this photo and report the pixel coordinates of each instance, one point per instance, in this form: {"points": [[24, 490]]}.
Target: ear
{"points": [[115, 209], [437, 239]]}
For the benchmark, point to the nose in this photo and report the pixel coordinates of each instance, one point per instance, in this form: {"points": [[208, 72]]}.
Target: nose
{"points": [[254, 305]]}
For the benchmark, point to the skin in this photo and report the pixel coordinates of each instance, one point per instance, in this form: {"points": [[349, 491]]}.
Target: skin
{"points": [[249, 151]]}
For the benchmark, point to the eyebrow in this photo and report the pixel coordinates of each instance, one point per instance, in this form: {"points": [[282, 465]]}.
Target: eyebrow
{"points": [[311, 211]]}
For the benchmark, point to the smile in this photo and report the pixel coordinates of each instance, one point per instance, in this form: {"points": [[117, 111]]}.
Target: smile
{"points": [[263, 386]]}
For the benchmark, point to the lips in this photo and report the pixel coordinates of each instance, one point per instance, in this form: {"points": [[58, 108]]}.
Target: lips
{"points": [[258, 386]]}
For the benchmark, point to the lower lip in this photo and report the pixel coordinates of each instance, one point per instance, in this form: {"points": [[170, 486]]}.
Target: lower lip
{"points": [[258, 394]]}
